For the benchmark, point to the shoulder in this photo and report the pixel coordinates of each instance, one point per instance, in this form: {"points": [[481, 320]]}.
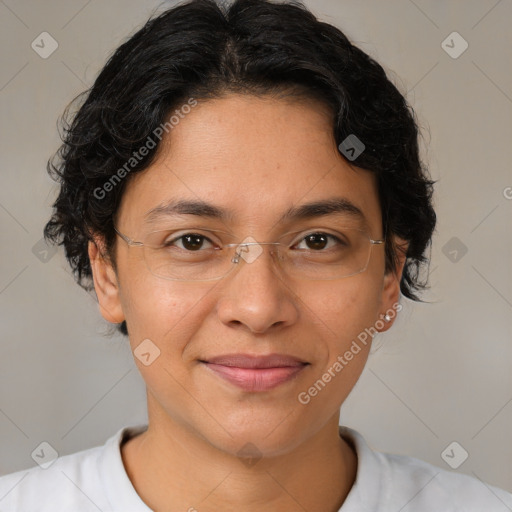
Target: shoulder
{"points": [[430, 485], [71, 482], [68, 481], [407, 483]]}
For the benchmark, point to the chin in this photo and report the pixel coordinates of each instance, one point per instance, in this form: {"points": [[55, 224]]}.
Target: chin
{"points": [[262, 436]]}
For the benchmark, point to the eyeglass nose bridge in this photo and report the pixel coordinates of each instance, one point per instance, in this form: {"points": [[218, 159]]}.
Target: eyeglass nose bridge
{"points": [[239, 251]]}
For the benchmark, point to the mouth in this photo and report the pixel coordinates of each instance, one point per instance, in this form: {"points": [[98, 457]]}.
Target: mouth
{"points": [[255, 373]]}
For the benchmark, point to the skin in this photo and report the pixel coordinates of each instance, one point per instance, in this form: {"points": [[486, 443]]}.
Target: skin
{"points": [[256, 156]]}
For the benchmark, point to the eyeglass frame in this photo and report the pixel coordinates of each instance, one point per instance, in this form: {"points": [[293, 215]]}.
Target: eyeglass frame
{"points": [[236, 258]]}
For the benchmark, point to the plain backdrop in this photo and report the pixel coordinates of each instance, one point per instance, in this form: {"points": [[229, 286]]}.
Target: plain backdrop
{"points": [[441, 374]]}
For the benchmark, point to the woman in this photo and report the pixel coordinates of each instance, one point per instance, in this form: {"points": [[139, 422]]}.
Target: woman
{"points": [[243, 190]]}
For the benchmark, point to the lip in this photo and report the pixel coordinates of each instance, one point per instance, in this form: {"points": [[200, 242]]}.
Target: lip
{"points": [[255, 372]]}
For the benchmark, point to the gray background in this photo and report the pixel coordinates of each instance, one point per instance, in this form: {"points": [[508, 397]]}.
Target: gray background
{"points": [[443, 372]]}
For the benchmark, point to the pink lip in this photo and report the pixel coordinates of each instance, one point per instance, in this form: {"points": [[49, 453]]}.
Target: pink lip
{"points": [[255, 373]]}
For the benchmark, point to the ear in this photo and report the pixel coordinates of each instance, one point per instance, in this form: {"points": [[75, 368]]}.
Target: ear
{"points": [[105, 283], [391, 286]]}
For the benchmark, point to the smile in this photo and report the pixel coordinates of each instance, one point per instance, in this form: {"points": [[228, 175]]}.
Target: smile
{"points": [[255, 373]]}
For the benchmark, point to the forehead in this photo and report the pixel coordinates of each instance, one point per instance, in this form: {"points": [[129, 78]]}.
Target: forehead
{"points": [[256, 158]]}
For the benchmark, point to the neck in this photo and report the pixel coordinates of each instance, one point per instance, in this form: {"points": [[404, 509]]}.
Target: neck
{"points": [[171, 464]]}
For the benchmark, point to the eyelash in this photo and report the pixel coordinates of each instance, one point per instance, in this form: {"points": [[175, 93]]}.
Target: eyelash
{"points": [[204, 237]]}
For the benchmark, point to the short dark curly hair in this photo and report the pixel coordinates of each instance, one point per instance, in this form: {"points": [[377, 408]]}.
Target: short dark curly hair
{"points": [[200, 49]]}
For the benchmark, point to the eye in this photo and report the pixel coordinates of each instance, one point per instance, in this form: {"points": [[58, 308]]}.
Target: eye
{"points": [[190, 242], [319, 241]]}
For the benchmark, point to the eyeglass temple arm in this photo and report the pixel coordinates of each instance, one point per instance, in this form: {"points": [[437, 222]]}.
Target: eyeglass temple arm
{"points": [[129, 241]]}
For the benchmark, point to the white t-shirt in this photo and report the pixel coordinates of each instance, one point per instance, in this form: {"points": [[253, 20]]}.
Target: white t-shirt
{"points": [[95, 480]]}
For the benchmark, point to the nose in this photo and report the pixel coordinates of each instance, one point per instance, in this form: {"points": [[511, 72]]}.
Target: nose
{"points": [[256, 294]]}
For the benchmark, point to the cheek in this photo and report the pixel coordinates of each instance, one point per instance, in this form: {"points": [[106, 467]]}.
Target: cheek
{"points": [[344, 314], [168, 315], [165, 312], [341, 313], [342, 309]]}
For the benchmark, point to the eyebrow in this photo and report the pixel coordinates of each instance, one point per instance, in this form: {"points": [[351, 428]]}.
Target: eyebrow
{"points": [[336, 205]]}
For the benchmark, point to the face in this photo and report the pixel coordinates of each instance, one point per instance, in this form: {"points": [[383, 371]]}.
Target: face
{"points": [[254, 158]]}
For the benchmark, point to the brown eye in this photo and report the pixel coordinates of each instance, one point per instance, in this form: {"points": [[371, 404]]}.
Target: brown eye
{"points": [[319, 241], [316, 241], [190, 242]]}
